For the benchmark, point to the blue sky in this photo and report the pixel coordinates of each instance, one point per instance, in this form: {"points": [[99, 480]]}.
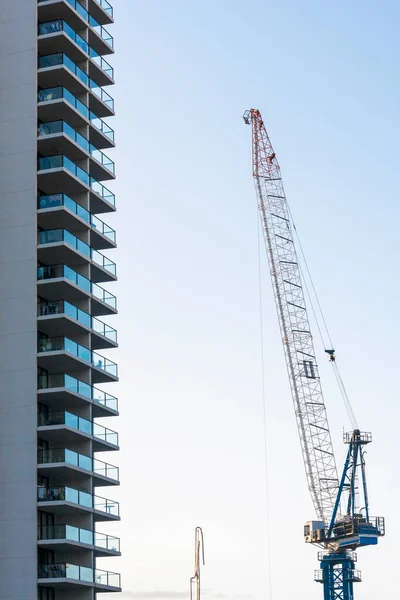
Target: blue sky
{"points": [[325, 77]]}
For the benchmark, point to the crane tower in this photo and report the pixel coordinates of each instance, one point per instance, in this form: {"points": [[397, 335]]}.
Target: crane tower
{"points": [[337, 535]]}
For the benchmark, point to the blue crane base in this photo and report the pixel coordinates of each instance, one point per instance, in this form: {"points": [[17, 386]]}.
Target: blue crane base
{"points": [[337, 573]]}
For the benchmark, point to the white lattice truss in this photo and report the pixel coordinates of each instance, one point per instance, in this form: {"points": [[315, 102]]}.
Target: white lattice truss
{"points": [[310, 411]]}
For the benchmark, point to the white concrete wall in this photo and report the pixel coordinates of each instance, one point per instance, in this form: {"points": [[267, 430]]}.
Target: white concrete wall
{"points": [[18, 60]]}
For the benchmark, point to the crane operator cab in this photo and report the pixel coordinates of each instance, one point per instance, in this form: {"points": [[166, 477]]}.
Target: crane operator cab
{"points": [[314, 532]]}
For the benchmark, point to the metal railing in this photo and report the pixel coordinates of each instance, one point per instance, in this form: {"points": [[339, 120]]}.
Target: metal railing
{"points": [[61, 343], [62, 307], [55, 200], [99, 29], [62, 271], [106, 6], [60, 161], [347, 575], [62, 380], [59, 25], [57, 127], [53, 236], [350, 554], [62, 417], [75, 459], [68, 571], [76, 534], [59, 92], [67, 494], [58, 59]]}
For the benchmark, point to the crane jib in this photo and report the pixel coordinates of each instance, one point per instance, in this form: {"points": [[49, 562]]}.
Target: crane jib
{"points": [[310, 411]]}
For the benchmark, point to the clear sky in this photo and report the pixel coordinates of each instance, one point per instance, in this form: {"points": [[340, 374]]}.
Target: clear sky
{"points": [[325, 76]]}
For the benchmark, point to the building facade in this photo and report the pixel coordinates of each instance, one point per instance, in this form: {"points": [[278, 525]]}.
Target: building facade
{"points": [[55, 303]]}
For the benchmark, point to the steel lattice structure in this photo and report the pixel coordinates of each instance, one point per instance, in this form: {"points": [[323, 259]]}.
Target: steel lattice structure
{"points": [[315, 438], [339, 535]]}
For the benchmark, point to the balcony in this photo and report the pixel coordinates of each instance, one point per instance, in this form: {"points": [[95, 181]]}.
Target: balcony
{"points": [[62, 354], [56, 102], [67, 392], [65, 427], [71, 142], [99, 38], [59, 70], [60, 281], [61, 36], [61, 315], [52, 213], [55, 172], [63, 464], [67, 576], [102, 11], [66, 501], [64, 247], [66, 537]]}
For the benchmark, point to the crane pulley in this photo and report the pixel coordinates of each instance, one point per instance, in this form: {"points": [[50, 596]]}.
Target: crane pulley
{"points": [[339, 535]]}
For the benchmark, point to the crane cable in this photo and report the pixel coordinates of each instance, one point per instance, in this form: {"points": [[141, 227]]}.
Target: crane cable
{"points": [[339, 380], [267, 496]]}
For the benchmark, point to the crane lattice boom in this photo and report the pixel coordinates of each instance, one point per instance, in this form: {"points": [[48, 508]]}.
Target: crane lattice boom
{"points": [[315, 438]]}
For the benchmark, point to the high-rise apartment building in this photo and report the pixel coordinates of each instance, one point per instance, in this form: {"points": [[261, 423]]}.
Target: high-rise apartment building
{"points": [[55, 302]]}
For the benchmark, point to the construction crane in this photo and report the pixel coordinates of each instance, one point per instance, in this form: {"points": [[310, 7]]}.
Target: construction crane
{"points": [[343, 522], [195, 588]]}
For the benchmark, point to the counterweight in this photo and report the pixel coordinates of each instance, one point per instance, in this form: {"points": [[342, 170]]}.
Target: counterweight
{"points": [[315, 438]]}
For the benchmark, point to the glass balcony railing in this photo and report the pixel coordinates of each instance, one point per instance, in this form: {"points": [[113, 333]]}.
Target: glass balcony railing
{"points": [[104, 330], [76, 534], [60, 25], [59, 307], [55, 200], [58, 59], [64, 455], [102, 63], [62, 271], [102, 126], [86, 574], [76, 6], [63, 200], [104, 229], [62, 380], [108, 542], [59, 162], [99, 29], [54, 236], [67, 494], [66, 532], [54, 60], [104, 364], [58, 344], [106, 6], [62, 417], [57, 93], [55, 127]]}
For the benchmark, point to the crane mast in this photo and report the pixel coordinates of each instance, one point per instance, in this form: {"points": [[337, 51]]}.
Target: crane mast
{"points": [[195, 590], [338, 535], [305, 385]]}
